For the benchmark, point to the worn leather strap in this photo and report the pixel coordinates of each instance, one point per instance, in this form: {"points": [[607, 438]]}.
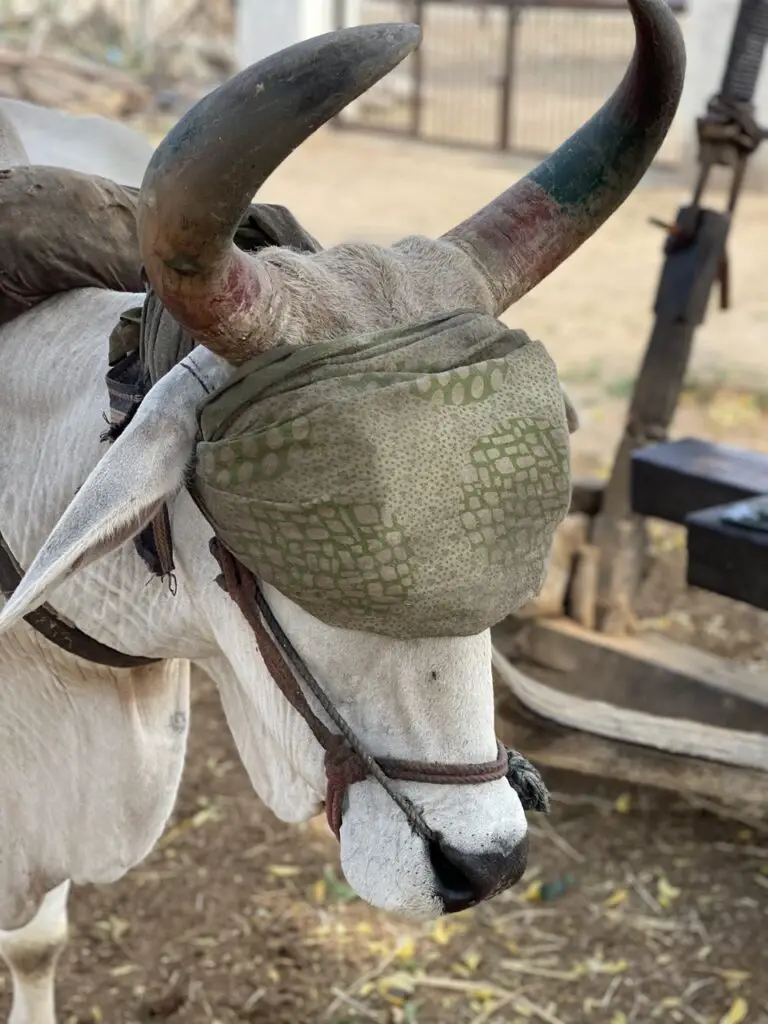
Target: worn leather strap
{"points": [[60, 631]]}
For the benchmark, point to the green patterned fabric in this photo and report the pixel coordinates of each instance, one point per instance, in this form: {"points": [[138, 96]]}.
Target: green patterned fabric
{"points": [[407, 482]]}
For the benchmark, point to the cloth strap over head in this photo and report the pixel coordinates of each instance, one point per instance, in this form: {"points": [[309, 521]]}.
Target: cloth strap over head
{"points": [[406, 482]]}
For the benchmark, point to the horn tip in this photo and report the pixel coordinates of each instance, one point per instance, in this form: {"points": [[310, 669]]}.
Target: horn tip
{"points": [[398, 36]]}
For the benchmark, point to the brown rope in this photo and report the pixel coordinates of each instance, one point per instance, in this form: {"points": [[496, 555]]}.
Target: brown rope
{"points": [[347, 760]]}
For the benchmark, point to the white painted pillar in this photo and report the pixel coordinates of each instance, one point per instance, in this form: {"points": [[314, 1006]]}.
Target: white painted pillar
{"points": [[708, 28], [264, 26]]}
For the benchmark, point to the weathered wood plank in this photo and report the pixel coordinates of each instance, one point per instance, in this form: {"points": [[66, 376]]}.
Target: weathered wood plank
{"points": [[549, 745], [687, 737], [647, 673]]}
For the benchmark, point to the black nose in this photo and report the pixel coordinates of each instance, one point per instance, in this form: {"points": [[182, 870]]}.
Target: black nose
{"points": [[464, 879]]}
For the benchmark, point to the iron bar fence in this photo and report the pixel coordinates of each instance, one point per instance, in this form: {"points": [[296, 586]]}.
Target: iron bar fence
{"points": [[502, 75]]}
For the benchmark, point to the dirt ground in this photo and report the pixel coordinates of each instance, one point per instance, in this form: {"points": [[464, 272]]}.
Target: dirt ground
{"points": [[637, 906]]}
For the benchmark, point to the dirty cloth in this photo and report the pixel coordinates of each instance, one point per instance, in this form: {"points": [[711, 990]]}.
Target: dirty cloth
{"points": [[61, 230], [406, 482]]}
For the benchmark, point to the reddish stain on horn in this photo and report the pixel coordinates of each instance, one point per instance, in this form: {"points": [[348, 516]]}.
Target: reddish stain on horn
{"points": [[206, 171], [525, 233]]}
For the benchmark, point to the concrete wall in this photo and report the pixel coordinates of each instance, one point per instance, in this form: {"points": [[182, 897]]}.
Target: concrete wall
{"points": [[708, 28]]}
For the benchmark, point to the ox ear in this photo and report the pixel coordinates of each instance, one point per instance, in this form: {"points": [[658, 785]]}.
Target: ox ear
{"points": [[143, 468]]}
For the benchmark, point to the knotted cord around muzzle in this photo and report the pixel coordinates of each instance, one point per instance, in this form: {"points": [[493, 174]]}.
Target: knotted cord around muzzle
{"points": [[347, 760]]}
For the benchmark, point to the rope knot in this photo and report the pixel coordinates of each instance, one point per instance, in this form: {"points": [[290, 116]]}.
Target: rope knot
{"points": [[343, 767], [527, 783]]}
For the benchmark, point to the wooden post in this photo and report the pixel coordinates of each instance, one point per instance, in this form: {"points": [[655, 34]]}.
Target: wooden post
{"points": [[694, 253], [507, 84]]}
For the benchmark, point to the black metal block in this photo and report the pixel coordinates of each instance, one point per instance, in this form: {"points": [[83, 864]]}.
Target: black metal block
{"points": [[728, 559], [672, 479]]}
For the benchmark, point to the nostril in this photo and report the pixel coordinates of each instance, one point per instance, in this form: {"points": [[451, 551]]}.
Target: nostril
{"points": [[454, 887], [465, 879]]}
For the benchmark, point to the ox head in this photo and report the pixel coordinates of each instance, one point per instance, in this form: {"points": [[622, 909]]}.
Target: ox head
{"points": [[423, 699]]}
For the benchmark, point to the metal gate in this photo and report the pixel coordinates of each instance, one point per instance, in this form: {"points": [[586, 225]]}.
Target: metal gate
{"points": [[498, 74]]}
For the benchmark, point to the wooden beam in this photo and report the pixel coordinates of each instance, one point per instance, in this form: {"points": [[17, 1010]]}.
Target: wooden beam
{"points": [[549, 745], [648, 673], [692, 261], [672, 479], [728, 559]]}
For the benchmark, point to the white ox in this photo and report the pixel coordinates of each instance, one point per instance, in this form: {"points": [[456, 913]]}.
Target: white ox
{"points": [[90, 757]]}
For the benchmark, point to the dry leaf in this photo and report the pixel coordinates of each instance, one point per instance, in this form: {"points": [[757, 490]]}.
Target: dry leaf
{"points": [[666, 892], [122, 969], [471, 961], [206, 814], [733, 978], [617, 897], [396, 988], [737, 1012], [533, 892], [284, 870], [406, 949], [608, 966], [619, 1018], [442, 931]]}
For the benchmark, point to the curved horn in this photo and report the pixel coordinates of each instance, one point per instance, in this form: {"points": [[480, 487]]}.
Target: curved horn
{"points": [[527, 231], [205, 172]]}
